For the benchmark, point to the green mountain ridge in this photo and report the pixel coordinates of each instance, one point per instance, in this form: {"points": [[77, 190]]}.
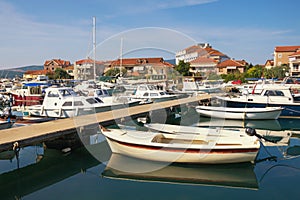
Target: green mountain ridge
{"points": [[19, 71]]}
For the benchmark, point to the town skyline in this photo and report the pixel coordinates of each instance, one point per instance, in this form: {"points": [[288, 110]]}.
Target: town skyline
{"points": [[37, 31]]}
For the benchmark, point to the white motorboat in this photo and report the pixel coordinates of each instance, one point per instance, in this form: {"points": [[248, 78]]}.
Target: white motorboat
{"points": [[239, 113], [272, 96], [183, 148], [147, 92], [65, 102]]}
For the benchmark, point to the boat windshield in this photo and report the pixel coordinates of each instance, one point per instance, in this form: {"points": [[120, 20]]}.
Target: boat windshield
{"points": [[68, 92], [93, 100], [274, 93]]}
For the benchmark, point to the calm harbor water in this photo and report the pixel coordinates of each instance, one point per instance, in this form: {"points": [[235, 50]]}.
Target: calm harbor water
{"points": [[89, 172]]}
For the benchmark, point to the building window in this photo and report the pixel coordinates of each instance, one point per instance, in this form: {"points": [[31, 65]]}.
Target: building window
{"points": [[279, 55]]}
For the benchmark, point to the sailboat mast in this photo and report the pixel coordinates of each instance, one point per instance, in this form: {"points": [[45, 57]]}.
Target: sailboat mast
{"points": [[94, 46], [121, 57]]}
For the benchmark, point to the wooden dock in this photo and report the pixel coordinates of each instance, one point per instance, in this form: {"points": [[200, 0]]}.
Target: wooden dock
{"points": [[36, 133]]}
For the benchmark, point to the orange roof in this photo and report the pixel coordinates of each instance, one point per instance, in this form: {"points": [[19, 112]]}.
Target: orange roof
{"points": [[295, 54], [138, 61], [71, 67], [36, 72], [86, 61], [230, 62], [269, 62], [58, 62], [203, 51], [286, 48], [203, 60]]}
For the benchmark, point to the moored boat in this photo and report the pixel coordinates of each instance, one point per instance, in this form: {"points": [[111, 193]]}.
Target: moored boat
{"points": [[65, 102], [153, 93], [183, 148], [273, 96], [239, 113], [30, 94]]}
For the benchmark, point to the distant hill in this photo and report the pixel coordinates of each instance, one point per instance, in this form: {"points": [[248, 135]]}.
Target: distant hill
{"points": [[12, 73], [171, 61]]}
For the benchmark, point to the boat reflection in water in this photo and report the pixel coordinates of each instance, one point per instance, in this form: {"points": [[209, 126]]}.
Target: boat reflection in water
{"points": [[52, 168], [274, 125], [229, 175], [256, 124]]}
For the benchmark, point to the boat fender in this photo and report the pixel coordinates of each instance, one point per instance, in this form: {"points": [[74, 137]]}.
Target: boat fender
{"points": [[16, 147]]}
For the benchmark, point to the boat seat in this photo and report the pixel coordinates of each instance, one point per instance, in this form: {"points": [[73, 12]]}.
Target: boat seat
{"points": [[160, 138]]}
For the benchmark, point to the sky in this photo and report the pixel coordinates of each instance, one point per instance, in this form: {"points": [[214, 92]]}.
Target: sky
{"points": [[34, 31]]}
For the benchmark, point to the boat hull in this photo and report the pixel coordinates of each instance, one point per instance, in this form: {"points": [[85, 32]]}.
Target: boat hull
{"points": [[289, 110], [165, 154], [239, 113], [20, 100], [183, 148]]}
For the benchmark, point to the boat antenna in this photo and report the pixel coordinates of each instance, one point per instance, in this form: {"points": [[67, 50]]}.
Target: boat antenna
{"points": [[121, 57]]}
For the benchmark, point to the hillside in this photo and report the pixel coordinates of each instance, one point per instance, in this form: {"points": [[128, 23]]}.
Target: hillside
{"points": [[12, 73]]}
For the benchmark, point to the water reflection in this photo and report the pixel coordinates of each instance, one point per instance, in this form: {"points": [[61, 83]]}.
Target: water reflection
{"points": [[52, 168], [275, 125], [232, 175]]}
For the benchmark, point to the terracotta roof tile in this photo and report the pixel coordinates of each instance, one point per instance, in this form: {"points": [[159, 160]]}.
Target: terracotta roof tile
{"points": [[58, 62], [295, 54], [88, 61], [203, 60], [36, 72], [138, 61], [286, 48], [230, 62]]}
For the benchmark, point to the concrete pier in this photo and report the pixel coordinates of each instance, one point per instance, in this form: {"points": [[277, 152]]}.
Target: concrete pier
{"points": [[36, 133]]}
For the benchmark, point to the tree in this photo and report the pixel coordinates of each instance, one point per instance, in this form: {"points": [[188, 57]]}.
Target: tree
{"points": [[183, 68], [115, 72], [276, 72], [60, 73], [255, 72]]}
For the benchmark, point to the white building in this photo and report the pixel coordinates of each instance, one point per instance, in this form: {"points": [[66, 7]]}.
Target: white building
{"points": [[193, 52], [294, 63], [203, 66], [84, 69]]}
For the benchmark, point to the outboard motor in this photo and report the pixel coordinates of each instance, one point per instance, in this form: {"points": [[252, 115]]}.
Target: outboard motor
{"points": [[252, 132]]}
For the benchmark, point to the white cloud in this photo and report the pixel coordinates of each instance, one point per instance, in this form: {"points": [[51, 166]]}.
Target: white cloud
{"points": [[25, 41]]}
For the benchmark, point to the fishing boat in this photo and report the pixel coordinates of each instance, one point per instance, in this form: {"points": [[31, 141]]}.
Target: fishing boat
{"points": [[230, 175], [239, 113], [272, 96], [183, 148]]}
